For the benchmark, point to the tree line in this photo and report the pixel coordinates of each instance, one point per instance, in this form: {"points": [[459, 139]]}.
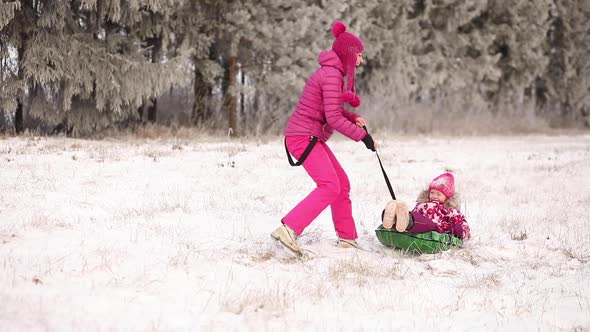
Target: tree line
{"points": [[80, 66]]}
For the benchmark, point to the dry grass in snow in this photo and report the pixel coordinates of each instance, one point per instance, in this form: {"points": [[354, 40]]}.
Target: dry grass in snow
{"points": [[173, 235]]}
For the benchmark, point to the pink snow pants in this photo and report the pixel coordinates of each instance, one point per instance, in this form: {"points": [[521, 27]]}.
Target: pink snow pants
{"points": [[333, 189]]}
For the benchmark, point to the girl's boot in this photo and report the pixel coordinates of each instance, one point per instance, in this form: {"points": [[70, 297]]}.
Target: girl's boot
{"points": [[389, 217]]}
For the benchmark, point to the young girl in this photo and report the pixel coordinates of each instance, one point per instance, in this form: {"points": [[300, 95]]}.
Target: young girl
{"points": [[437, 209], [318, 113]]}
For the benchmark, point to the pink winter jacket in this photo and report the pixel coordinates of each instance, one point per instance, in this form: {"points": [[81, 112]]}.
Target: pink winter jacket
{"points": [[320, 108]]}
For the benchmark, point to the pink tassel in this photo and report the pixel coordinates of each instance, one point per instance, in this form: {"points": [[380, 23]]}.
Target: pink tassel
{"points": [[352, 99]]}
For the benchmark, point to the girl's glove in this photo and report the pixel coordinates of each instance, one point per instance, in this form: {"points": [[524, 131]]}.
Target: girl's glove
{"points": [[369, 143]]}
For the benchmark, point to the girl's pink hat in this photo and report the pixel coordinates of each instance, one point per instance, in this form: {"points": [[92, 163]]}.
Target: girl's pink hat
{"points": [[445, 183], [347, 46]]}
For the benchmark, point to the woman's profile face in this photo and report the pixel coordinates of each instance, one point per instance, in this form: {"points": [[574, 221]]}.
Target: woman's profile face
{"points": [[359, 59]]}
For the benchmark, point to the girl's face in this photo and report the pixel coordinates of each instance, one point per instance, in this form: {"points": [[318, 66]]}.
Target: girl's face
{"points": [[359, 59], [435, 195]]}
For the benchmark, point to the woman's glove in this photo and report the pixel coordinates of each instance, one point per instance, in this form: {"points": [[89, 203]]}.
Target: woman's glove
{"points": [[369, 143]]}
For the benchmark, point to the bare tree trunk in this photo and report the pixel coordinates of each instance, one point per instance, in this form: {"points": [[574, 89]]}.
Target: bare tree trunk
{"points": [[18, 118], [231, 98], [557, 67], [243, 115], [140, 111], [19, 123], [152, 109], [200, 92], [3, 124]]}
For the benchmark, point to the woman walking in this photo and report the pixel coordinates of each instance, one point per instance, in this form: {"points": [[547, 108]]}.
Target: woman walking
{"points": [[319, 112]]}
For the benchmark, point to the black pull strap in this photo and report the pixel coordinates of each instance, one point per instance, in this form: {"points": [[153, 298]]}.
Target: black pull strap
{"points": [[308, 149], [386, 178], [383, 170]]}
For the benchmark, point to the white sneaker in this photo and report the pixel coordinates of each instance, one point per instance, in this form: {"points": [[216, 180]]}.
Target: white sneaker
{"points": [[286, 236], [344, 243]]}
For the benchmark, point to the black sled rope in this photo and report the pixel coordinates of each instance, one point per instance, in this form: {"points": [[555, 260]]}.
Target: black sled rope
{"points": [[383, 170]]}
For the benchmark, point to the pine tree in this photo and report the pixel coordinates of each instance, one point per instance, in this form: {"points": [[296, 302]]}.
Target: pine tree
{"points": [[280, 42], [487, 50], [89, 64], [209, 27], [564, 88], [197, 24], [85, 61], [16, 21]]}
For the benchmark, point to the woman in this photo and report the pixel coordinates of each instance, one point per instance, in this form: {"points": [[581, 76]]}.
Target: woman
{"points": [[319, 112]]}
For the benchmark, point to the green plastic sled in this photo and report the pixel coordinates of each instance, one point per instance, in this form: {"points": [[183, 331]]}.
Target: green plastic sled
{"points": [[427, 243]]}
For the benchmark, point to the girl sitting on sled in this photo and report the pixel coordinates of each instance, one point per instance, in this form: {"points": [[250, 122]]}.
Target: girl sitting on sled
{"points": [[437, 209]]}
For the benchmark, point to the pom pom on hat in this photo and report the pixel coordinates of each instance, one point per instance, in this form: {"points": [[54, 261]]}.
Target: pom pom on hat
{"points": [[445, 183], [338, 28], [352, 99], [347, 46]]}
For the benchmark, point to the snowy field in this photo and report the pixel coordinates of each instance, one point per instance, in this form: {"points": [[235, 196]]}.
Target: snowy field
{"points": [[173, 235]]}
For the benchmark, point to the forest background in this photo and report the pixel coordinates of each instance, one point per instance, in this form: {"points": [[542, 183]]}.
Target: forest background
{"points": [[433, 66]]}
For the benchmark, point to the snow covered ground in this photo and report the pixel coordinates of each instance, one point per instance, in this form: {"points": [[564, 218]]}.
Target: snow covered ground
{"points": [[173, 235]]}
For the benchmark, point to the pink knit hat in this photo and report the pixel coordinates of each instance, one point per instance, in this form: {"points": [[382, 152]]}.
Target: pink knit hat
{"points": [[445, 183], [347, 46]]}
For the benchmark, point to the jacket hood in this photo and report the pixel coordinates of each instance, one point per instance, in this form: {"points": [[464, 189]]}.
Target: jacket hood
{"points": [[331, 59], [453, 202]]}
